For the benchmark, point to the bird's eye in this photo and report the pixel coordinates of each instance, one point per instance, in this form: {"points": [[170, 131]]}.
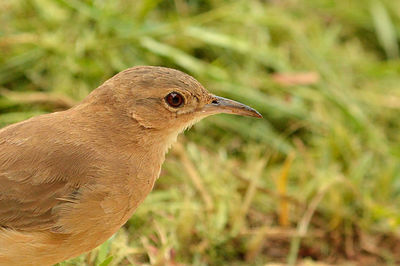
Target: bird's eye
{"points": [[174, 99]]}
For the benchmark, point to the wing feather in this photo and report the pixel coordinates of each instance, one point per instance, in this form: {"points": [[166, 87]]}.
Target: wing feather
{"points": [[39, 170]]}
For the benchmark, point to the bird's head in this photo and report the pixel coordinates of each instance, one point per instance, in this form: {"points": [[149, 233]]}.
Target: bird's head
{"points": [[167, 100]]}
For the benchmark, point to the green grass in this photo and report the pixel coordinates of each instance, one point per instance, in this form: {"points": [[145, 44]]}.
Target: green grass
{"points": [[318, 178]]}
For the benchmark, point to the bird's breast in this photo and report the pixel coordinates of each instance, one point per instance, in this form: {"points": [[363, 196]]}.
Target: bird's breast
{"points": [[104, 207]]}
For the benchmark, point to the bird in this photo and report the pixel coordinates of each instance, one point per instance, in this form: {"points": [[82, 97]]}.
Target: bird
{"points": [[70, 179]]}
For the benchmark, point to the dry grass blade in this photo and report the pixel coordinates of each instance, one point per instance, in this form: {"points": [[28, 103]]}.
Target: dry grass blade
{"points": [[282, 189], [303, 224], [239, 221], [190, 168], [57, 101]]}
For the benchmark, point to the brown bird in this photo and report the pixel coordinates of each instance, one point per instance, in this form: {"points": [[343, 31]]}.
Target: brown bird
{"points": [[69, 180]]}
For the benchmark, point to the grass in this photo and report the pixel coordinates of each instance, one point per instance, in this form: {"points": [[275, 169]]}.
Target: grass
{"points": [[317, 179]]}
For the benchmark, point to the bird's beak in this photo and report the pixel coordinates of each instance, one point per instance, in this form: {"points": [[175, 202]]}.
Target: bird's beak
{"points": [[227, 106]]}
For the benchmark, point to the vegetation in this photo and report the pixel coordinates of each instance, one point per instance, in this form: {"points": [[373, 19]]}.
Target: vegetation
{"points": [[317, 179]]}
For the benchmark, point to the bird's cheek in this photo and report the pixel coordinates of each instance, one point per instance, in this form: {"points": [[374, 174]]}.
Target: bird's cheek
{"points": [[186, 122]]}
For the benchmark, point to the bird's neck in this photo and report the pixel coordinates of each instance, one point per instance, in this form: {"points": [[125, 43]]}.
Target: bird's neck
{"points": [[137, 152], [121, 134]]}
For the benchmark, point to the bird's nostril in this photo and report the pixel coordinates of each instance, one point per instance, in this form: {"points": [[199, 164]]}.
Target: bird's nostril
{"points": [[215, 102]]}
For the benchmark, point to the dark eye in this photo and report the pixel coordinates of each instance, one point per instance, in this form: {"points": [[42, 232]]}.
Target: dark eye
{"points": [[174, 99]]}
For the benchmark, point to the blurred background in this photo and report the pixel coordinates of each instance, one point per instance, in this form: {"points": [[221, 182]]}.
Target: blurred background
{"points": [[316, 181]]}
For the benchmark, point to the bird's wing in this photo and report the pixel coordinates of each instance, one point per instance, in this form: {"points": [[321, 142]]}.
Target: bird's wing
{"points": [[38, 171]]}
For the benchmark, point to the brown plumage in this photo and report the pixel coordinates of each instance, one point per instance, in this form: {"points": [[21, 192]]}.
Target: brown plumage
{"points": [[69, 180]]}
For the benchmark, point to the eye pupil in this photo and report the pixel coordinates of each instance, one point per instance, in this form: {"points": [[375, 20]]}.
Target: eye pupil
{"points": [[174, 99]]}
